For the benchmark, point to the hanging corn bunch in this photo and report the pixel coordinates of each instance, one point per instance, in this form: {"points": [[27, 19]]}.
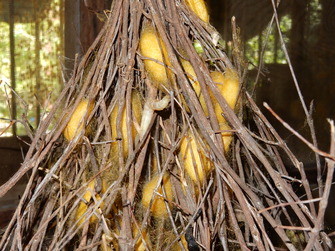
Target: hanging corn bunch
{"points": [[147, 152]]}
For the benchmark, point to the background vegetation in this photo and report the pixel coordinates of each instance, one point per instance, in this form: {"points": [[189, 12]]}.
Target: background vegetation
{"points": [[38, 57]]}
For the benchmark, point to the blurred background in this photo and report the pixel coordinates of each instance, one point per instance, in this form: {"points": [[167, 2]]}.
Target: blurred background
{"points": [[39, 40]]}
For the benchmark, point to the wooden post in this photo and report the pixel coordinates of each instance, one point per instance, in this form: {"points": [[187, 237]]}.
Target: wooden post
{"points": [[12, 63]]}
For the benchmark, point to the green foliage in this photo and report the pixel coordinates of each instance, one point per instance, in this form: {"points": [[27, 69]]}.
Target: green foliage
{"points": [[269, 41], [38, 72], [315, 15]]}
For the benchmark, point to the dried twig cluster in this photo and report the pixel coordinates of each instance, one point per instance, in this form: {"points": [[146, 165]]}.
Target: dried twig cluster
{"points": [[121, 183]]}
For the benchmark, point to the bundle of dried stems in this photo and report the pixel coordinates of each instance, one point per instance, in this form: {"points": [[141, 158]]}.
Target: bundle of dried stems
{"points": [[88, 192]]}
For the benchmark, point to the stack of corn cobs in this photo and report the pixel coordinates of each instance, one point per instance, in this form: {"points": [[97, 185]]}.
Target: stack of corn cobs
{"points": [[162, 186]]}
